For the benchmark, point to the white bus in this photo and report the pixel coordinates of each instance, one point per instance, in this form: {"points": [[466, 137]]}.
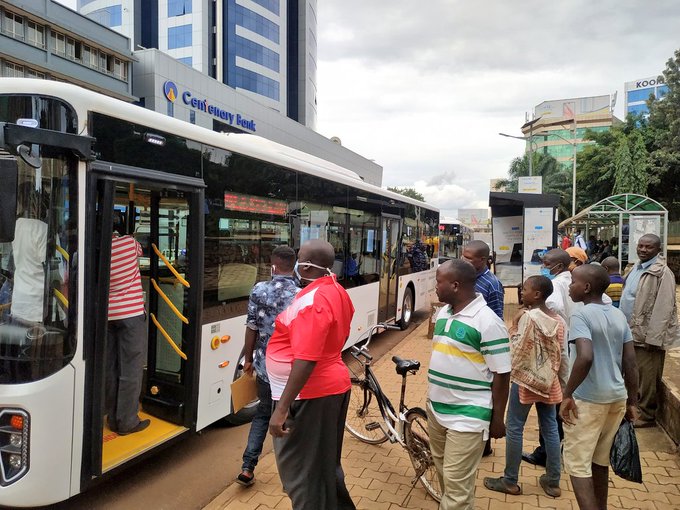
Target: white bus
{"points": [[208, 208]]}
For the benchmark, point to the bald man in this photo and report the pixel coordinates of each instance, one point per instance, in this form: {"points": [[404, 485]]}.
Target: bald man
{"points": [[477, 253], [310, 384], [648, 302], [469, 382]]}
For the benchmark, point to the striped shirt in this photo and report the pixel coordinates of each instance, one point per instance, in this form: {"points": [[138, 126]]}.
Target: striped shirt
{"points": [[491, 290], [126, 298], [468, 347]]}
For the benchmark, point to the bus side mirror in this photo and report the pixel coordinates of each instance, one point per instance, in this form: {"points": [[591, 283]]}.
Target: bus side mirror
{"points": [[9, 177]]}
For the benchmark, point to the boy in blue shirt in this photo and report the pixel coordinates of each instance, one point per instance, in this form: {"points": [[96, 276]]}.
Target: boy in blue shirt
{"points": [[602, 387]]}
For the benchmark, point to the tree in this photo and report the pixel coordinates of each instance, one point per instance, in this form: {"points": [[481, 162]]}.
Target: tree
{"points": [[623, 167], [664, 140], [556, 178], [407, 192], [640, 160]]}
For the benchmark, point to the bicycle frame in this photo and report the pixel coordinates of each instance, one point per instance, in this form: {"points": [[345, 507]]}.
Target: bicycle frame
{"points": [[390, 417]]}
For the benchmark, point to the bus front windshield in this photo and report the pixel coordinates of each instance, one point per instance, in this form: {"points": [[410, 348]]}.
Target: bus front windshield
{"points": [[37, 272]]}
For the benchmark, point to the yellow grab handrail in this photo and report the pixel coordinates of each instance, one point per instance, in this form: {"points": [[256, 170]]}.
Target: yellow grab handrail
{"points": [[167, 300], [61, 297], [63, 252], [167, 337], [169, 265]]}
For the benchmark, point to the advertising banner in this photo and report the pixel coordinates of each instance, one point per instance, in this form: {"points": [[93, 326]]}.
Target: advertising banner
{"points": [[639, 226], [538, 236], [507, 244]]}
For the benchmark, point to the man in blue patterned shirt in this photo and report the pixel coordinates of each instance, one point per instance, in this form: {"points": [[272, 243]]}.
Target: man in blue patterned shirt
{"points": [[490, 287], [478, 254], [267, 300]]}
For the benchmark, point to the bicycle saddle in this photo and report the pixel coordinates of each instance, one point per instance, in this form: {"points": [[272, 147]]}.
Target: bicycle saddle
{"points": [[405, 365]]}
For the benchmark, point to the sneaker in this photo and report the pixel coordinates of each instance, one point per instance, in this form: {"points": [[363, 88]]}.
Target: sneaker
{"points": [[137, 428], [246, 478]]}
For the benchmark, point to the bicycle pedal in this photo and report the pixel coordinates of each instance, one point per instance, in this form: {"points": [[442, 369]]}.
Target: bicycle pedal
{"points": [[373, 425]]}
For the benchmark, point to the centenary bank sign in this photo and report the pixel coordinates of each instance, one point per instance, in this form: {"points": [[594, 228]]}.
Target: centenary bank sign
{"points": [[171, 92]]}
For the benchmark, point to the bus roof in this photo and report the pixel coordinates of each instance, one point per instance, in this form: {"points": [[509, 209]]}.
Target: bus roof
{"points": [[83, 100]]}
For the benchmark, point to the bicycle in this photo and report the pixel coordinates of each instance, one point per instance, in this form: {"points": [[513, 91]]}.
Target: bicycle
{"points": [[371, 417]]}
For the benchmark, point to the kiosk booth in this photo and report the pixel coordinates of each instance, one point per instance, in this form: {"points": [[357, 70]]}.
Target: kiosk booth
{"points": [[523, 228]]}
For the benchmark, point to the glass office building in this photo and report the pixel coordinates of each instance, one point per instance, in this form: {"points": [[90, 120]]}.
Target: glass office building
{"points": [[264, 48], [638, 92]]}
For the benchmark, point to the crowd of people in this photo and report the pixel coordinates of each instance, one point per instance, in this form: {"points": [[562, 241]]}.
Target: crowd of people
{"points": [[586, 348]]}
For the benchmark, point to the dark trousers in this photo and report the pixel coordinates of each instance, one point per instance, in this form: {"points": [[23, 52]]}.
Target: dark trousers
{"points": [[308, 458], [539, 452], [259, 426], [650, 370], [125, 358]]}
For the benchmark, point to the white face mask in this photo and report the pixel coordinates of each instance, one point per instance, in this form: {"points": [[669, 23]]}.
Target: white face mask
{"points": [[308, 264]]}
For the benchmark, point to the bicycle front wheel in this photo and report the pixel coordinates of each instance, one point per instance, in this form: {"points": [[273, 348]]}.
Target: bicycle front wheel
{"points": [[417, 440], [364, 419]]}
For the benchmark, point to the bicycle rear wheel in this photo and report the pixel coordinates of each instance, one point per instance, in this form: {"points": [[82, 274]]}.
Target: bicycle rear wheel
{"points": [[417, 440], [364, 419]]}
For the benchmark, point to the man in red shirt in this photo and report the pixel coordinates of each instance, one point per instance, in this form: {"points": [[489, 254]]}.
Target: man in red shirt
{"points": [[310, 384]]}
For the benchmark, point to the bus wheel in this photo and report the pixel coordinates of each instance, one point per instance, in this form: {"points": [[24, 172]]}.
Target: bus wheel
{"points": [[406, 309]]}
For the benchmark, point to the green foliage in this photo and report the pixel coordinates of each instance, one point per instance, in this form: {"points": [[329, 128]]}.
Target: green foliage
{"points": [[623, 165], [408, 192], [663, 140], [556, 179]]}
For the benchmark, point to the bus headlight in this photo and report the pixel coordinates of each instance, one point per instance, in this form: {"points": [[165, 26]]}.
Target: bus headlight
{"points": [[14, 438]]}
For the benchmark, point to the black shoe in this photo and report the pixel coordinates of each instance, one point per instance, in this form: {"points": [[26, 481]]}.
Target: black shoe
{"points": [[246, 478], [533, 459], [137, 428]]}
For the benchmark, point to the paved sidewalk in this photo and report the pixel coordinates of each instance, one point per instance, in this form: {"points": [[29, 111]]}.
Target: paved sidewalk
{"points": [[379, 477]]}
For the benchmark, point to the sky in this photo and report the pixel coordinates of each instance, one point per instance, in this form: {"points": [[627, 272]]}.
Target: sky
{"points": [[424, 87]]}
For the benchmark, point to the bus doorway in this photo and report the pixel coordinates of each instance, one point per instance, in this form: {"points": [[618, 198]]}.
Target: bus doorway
{"points": [[165, 220], [387, 307]]}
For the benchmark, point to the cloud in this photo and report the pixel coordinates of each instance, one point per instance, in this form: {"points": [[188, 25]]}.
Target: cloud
{"points": [[425, 88]]}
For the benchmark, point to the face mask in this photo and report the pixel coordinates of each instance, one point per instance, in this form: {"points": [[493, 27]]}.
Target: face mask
{"points": [[545, 271], [308, 264]]}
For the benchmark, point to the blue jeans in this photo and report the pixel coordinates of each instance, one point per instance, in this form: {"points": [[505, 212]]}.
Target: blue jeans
{"points": [[547, 422], [259, 426]]}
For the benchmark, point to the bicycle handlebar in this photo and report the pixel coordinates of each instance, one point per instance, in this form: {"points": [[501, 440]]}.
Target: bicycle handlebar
{"points": [[363, 351]]}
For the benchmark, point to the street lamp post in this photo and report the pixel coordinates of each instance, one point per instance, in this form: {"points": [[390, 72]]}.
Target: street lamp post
{"points": [[573, 165], [529, 139]]}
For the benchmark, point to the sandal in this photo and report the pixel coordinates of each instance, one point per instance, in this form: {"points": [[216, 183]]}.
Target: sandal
{"points": [[246, 478], [500, 485]]}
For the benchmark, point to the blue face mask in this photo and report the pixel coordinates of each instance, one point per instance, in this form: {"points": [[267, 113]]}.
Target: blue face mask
{"points": [[547, 272]]}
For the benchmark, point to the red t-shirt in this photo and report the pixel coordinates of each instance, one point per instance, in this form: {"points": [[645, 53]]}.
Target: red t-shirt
{"points": [[126, 296], [313, 328]]}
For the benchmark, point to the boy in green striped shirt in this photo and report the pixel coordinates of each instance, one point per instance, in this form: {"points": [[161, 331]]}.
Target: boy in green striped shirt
{"points": [[469, 379]]}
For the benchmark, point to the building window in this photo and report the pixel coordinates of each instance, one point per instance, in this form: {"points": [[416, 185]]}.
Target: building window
{"points": [[35, 34], [192, 116], [256, 53], [111, 16], [171, 109], [249, 80], [59, 43], [639, 95], [186, 60], [12, 70], [179, 37], [179, 7], [31, 73], [256, 23], [270, 5], [13, 25]]}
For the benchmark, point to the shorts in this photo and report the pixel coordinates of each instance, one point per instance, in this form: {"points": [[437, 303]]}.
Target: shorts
{"points": [[590, 439]]}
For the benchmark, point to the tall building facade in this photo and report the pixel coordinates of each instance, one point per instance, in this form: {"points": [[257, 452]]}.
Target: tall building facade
{"points": [[265, 49], [559, 125], [638, 92]]}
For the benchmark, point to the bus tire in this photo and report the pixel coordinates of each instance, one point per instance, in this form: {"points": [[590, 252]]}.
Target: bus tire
{"points": [[407, 305]]}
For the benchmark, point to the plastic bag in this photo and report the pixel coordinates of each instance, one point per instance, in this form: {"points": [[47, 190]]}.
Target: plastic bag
{"points": [[625, 454]]}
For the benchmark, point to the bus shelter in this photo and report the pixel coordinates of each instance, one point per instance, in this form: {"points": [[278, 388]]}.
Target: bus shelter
{"points": [[622, 219]]}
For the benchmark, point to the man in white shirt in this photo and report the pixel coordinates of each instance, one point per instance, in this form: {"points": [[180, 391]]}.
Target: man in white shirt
{"points": [[580, 242]]}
